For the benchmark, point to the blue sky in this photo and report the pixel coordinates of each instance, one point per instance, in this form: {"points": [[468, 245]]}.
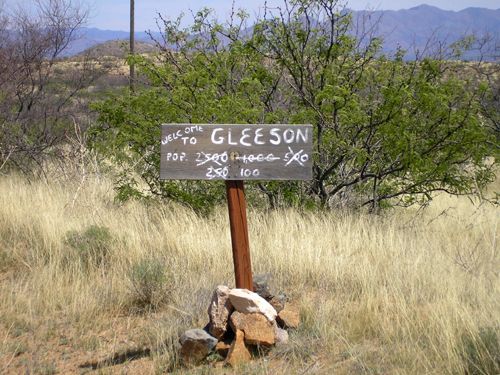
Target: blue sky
{"points": [[113, 14]]}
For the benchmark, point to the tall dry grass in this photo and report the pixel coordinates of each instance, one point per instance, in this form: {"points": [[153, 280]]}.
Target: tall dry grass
{"points": [[406, 292]]}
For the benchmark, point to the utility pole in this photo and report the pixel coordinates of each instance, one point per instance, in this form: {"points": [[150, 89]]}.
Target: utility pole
{"points": [[132, 45]]}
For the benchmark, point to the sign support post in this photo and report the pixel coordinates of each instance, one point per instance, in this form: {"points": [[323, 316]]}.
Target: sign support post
{"points": [[239, 234], [235, 153]]}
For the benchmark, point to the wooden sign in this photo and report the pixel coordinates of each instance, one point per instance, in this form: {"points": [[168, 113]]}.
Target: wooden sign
{"points": [[236, 152]]}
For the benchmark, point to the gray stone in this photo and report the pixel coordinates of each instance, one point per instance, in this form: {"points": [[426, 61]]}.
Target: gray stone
{"points": [[261, 285], [195, 345], [281, 336], [219, 310]]}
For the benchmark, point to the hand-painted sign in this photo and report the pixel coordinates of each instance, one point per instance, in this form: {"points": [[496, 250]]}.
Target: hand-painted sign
{"points": [[236, 152]]}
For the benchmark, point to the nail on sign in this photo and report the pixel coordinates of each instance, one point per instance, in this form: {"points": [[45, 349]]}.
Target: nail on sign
{"points": [[236, 152]]}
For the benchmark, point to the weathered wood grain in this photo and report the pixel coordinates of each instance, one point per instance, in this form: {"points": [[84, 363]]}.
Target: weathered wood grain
{"points": [[236, 152], [237, 208]]}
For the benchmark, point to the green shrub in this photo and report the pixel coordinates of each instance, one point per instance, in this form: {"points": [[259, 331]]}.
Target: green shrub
{"points": [[92, 246], [482, 352], [387, 130], [149, 283]]}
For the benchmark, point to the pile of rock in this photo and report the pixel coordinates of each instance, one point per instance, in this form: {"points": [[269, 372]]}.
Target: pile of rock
{"points": [[240, 321]]}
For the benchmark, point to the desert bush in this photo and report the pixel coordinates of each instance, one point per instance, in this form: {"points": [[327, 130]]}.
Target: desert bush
{"points": [[91, 246], [149, 283], [386, 130]]}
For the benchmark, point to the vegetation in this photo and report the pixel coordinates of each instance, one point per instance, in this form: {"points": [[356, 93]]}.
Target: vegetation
{"points": [[149, 283], [88, 282], [91, 246], [40, 107], [407, 292], [387, 130]]}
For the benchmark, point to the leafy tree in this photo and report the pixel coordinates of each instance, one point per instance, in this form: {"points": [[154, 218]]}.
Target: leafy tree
{"points": [[386, 130], [210, 76], [487, 48]]}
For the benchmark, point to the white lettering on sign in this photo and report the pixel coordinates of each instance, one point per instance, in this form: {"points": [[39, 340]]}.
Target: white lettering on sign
{"points": [[174, 156], [203, 158], [217, 173], [179, 134], [257, 158], [292, 156], [249, 172], [236, 152], [250, 137]]}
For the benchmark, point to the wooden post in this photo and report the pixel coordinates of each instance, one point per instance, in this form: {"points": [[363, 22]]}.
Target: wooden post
{"points": [[239, 234], [235, 153]]}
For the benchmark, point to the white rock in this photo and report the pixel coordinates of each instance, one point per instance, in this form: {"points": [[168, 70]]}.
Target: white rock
{"points": [[249, 302], [219, 310]]}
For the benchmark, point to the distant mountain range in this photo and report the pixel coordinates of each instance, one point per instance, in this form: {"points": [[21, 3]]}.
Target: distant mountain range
{"points": [[424, 26], [411, 29]]}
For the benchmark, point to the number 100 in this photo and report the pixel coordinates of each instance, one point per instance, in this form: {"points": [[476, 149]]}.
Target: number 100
{"points": [[249, 172]]}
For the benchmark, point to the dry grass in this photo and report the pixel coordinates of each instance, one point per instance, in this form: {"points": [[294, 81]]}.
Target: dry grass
{"points": [[405, 293]]}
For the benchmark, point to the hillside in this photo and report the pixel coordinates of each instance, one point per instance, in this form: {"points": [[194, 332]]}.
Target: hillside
{"points": [[117, 48], [90, 37]]}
